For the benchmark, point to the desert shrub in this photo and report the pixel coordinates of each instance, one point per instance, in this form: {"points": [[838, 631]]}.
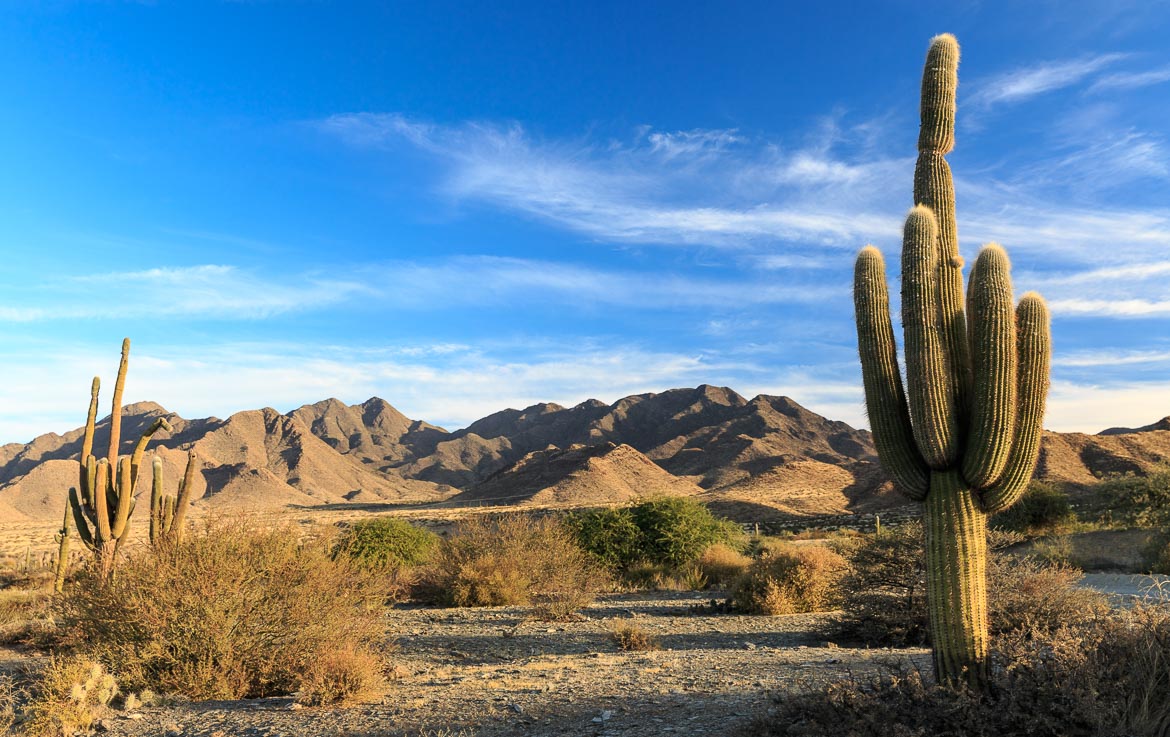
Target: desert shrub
{"points": [[799, 578], [1156, 553], [884, 592], [386, 543], [1110, 677], [610, 535], [24, 615], [228, 613], [630, 637], [10, 695], [1028, 595], [1043, 507], [342, 677], [722, 564], [656, 543], [1143, 501], [676, 530], [67, 697], [515, 559]]}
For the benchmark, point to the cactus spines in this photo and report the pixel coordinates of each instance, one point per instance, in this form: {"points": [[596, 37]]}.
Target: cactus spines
{"points": [[103, 501], [965, 435], [167, 513]]}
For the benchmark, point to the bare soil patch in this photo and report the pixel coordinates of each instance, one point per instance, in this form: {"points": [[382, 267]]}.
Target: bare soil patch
{"points": [[492, 672]]}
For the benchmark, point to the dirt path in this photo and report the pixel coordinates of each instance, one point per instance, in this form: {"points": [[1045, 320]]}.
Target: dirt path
{"points": [[1129, 587], [492, 672]]}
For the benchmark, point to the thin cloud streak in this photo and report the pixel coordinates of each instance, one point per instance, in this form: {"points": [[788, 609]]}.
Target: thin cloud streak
{"points": [[1023, 84], [218, 292], [1131, 80], [655, 190]]}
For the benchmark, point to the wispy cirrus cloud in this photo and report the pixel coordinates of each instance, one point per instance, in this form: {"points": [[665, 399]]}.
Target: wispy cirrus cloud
{"points": [[1023, 84], [213, 291], [219, 292], [656, 188], [1131, 80]]}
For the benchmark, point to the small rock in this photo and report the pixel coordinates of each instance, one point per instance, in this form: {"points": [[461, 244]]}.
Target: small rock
{"points": [[750, 645], [516, 708], [605, 716], [294, 706]]}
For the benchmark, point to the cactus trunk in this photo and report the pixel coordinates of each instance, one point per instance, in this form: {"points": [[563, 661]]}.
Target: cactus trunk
{"points": [[956, 579]]}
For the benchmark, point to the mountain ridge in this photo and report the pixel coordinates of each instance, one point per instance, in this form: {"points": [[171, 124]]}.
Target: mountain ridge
{"points": [[707, 440]]}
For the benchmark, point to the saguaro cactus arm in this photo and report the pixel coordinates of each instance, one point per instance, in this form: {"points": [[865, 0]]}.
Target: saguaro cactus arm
{"points": [[116, 408], [1034, 346], [932, 394], [885, 400], [140, 447], [993, 356]]}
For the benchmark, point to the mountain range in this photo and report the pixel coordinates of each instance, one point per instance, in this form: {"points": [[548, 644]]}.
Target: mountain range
{"points": [[751, 459]]}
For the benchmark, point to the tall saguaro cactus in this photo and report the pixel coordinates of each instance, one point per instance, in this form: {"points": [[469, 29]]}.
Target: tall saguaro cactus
{"points": [[102, 509], [964, 436]]}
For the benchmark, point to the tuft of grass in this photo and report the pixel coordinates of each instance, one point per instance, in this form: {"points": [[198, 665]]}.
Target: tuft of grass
{"points": [[343, 677], [629, 637]]}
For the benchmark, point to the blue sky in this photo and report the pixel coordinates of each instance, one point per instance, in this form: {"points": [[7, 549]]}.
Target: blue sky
{"points": [[461, 208]]}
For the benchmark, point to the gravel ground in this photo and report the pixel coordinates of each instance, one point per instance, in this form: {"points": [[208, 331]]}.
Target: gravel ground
{"points": [[494, 672]]}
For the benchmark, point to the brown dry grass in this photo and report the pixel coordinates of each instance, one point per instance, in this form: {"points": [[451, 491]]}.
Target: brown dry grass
{"points": [[229, 613], [515, 559], [792, 579]]}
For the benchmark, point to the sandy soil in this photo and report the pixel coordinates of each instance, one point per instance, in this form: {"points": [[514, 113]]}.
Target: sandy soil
{"points": [[494, 672]]}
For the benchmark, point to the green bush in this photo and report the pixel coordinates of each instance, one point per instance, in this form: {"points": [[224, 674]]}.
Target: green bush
{"points": [[676, 530], [1143, 501], [386, 543], [230, 613], [610, 535], [1043, 507], [668, 532]]}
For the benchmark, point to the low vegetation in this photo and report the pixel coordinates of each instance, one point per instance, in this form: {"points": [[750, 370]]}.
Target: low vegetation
{"points": [[514, 559], [883, 594], [386, 544], [1107, 677], [660, 543], [229, 613], [791, 579]]}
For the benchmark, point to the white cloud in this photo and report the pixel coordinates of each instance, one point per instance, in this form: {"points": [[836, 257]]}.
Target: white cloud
{"points": [[211, 291], [1076, 407], [1131, 80], [1094, 358], [704, 187], [1022, 84]]}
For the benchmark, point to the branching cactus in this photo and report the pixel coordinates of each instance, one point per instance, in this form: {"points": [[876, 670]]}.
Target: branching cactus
{"points": [[964, 436], [102, 508], [167, 512]]}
